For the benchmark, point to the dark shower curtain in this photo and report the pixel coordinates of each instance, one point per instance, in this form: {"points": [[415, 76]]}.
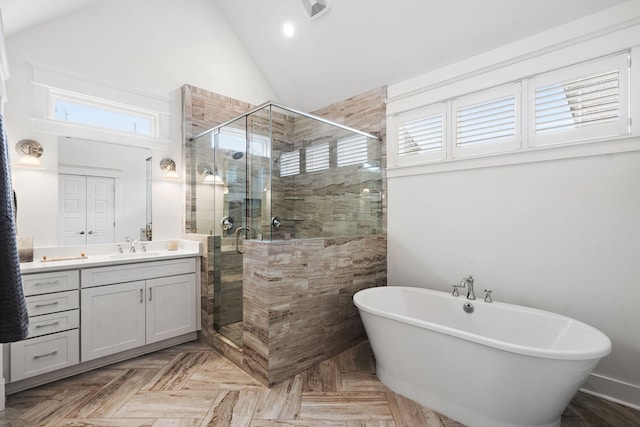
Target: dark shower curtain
{"points": [[14, 320]]}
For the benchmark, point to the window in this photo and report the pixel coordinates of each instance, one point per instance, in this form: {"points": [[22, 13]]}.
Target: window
{"points": [[94, 112], [420, 135], [585, 101], [352, 150], [317, 157], [290, 163], [487, 122]]}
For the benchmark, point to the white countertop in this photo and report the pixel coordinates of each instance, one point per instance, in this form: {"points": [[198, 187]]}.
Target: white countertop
{"points": [[72, 257]]}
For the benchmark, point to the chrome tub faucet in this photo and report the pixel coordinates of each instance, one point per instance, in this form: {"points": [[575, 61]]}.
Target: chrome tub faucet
{"points": [[468, 282], [465, 282]]}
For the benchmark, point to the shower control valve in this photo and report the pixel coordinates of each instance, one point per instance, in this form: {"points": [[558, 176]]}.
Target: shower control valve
{"points": [[226, 223], [276, 222]]}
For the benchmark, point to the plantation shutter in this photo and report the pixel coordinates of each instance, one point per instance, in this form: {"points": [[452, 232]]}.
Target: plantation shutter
{"points": [[352, 150], [487, 122], [317, 157], [290, 163], [580, 102], [420, 135]]}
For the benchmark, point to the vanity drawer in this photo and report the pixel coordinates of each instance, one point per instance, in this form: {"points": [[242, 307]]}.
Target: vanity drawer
{"points": [[48, 353], [137, 271], [44, 283], [51, 323], [52, 303]]}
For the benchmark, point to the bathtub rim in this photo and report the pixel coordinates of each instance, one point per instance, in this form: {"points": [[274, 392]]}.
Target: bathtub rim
{"points": [[602, 349]]}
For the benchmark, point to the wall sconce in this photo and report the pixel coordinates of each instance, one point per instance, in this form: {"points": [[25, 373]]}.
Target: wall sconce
{"points": [[30, 152], [210, 177], [168, 166]]}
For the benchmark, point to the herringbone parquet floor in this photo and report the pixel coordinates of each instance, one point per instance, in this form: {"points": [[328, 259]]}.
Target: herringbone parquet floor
{"points": [[191, 385]]}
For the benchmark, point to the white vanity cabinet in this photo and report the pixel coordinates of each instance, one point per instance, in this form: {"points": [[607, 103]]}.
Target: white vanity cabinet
{"points": [[53, 341], [129, 306]]}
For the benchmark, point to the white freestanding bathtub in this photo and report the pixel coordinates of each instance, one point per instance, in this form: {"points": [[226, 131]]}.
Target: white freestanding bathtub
{"points": [[502, 365]]}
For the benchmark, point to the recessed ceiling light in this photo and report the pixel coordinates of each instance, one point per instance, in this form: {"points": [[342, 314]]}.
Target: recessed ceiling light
{"points": [[288, 29]]}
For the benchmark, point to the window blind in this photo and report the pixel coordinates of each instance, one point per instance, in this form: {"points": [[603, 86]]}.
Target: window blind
{"points": [[487, 121], [317, 157], [290, 163], [352, 151], [592, 100], [420, 135]]}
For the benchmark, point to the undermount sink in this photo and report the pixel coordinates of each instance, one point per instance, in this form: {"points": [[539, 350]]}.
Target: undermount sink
{"points": [[135, 255]]}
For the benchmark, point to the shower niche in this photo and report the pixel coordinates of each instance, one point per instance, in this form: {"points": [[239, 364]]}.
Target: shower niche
{"points": [[291, 207]]}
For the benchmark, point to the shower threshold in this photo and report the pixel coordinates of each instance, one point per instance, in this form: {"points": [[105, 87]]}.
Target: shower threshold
{"points": [[233, 332]]}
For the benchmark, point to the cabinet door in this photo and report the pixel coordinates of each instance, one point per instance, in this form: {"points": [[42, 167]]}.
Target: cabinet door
{"points": [[171, 307], [112, 319]]}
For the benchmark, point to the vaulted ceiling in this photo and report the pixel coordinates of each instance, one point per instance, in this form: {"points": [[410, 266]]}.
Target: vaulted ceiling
{"points": [[356, 45]]}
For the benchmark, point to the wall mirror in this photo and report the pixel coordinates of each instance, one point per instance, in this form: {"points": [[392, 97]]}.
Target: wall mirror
{"points": [[104, 192]]}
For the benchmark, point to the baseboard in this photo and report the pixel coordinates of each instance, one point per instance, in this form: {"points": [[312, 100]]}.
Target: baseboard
{"points": [[614, 390]]}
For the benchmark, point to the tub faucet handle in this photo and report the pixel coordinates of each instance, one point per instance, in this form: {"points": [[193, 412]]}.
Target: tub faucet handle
{"points": [[455, 292], [487, 295]]}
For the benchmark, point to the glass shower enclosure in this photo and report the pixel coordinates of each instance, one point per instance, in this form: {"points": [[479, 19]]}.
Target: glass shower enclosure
{"points": [[278, 174]]}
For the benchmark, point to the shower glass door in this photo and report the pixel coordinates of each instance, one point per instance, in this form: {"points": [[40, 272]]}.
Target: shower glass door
{"points": [[230, 159], [242, 165]]}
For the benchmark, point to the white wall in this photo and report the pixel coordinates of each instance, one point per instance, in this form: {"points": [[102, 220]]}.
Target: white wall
{"points": [[561, 235], [143, 46]]}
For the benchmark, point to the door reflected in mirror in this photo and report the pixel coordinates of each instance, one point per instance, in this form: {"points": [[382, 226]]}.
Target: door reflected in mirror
{"points": [[104, 192]]}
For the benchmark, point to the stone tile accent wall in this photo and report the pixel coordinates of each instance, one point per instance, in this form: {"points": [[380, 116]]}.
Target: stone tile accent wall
{"points": [[210, 247], [298, 307], [202, 110]]}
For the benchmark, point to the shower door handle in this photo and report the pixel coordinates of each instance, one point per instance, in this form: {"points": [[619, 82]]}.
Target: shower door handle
{"points": [[238, 230]]}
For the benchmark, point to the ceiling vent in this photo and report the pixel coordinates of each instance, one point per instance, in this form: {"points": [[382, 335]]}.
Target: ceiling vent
{"points": [[315, 8]]}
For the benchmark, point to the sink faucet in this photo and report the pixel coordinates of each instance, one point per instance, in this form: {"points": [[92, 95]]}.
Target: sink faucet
{"points": [[129, 239], [468, 281]]}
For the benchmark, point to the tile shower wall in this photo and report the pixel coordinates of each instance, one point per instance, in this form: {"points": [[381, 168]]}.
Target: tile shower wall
{"points": [[298, 308], [337, 201], [307, 315], [202, 110]]}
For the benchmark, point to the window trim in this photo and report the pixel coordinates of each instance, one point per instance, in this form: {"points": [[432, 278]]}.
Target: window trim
{"points": [[56, 94], [490, 146], [526, 152], [581, 70], [421, 157]]}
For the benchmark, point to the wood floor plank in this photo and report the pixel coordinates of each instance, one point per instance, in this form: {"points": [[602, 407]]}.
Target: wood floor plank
{"points": [[298, 423], [232, 409], [110, 398], [50, 411], [407, 413], [281, 402], [178, 422], [361, 381], [177, 372], [105, 422], [212, 377], [345, 406], [599, 412], [371, 424], [323, 377], [166, 404]]}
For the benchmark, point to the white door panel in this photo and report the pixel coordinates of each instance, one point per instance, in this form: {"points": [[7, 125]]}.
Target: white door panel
{"points": [[86, 209]]}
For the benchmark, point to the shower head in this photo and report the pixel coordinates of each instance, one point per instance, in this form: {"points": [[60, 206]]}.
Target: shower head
{"points": [[237, 155]]}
